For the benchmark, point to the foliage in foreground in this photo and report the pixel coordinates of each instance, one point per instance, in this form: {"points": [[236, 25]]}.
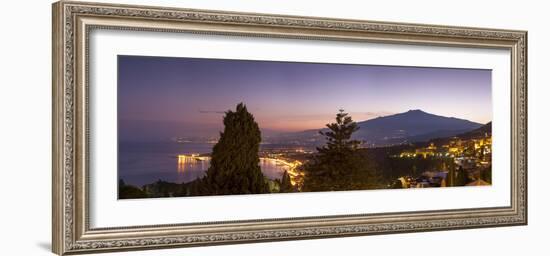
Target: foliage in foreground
{"points": [[234, 166], [338, 165]]}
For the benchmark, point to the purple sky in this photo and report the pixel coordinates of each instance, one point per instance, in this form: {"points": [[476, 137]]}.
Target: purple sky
{"points": [[288, 96]]}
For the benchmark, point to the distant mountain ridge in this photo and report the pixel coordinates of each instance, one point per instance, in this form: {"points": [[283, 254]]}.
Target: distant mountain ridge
{"points": [[481, 132], [411, 126], [407, 127]]}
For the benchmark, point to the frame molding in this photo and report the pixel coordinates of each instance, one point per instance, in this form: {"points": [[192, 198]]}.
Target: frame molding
{"points": [[72, 22]]}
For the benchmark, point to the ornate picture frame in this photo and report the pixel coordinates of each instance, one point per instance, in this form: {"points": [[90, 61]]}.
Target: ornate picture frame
{"points": [[72, 23]]}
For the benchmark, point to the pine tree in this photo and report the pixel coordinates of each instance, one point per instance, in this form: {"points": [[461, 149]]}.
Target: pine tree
{"points": [[339, 135], [234, 166], [337, 162]]}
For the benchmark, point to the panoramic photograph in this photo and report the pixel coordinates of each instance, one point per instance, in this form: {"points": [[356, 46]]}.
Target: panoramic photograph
{"points": [[211, 127]]}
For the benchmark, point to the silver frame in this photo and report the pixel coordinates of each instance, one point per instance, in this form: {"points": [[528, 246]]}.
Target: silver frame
{"points": [[72, 22]]}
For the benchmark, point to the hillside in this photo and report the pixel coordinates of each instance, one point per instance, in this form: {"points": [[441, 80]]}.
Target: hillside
{"points": [[410, 126]]}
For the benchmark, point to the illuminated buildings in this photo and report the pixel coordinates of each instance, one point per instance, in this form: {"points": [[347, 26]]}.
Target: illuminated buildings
{"points": [[480, 149], [472, 155]]}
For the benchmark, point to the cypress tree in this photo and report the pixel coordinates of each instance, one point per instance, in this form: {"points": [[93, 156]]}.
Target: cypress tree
{"points": [[234, 167]]}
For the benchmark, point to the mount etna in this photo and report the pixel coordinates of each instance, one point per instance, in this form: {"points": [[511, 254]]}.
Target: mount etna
{"points": [[408, 127]]}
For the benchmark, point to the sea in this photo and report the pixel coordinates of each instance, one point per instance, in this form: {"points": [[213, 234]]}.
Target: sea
{"points": [[141, 163]]}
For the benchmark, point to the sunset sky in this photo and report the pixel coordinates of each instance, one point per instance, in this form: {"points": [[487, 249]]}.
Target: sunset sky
{"points": [[286, 96]]}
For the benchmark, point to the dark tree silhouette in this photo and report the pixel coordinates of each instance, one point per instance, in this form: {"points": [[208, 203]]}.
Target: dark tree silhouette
{"points": [[337, 164], [234, 167], [128, 191], [397, 184], [461, 177], [286, 185], [450, 178], [339, 135], [486, 174]]}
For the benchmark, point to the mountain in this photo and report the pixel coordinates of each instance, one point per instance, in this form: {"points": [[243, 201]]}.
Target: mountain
{"points": [[481, 132], [410, 126], [477, 133]]}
